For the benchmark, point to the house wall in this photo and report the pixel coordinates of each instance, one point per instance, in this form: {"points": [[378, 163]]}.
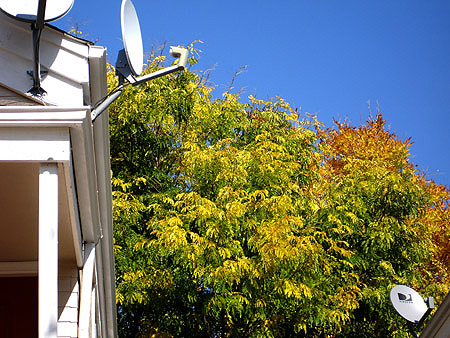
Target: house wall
{"points": [[65, 85], [81, 154], [68, 301]]}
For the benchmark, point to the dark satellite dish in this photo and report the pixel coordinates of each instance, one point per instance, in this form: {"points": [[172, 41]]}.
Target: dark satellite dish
{"points": [[132, 38], [27, 10], [410, 305]]}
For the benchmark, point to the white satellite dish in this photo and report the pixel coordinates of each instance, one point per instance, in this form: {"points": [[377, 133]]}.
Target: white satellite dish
{"points": [[132, 38], [26, 10], [408, 303], [130, 61]]}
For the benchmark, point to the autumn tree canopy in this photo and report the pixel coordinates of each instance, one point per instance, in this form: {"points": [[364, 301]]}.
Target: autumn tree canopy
{"points": [[249, 219]]}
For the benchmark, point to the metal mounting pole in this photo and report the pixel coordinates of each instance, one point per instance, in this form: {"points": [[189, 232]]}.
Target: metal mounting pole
{"points": [[105, 104], [37, 28], [123, 70]]}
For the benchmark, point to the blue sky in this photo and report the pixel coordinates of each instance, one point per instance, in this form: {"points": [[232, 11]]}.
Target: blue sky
{"points": [[328, 57]]}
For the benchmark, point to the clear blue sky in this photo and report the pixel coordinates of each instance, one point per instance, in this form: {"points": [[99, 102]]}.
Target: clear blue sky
{"points": [[328, 57]]}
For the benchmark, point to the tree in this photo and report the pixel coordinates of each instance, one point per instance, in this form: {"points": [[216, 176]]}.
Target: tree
{"points": [[241, 219], [392, 212]]}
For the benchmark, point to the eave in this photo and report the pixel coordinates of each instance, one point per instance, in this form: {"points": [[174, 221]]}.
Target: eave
{"points": [[77, 121]]}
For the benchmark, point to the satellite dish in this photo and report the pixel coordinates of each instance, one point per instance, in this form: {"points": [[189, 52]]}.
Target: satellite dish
{"points": [[408, 303], [27, 10], [132, 39], [130, 59]]}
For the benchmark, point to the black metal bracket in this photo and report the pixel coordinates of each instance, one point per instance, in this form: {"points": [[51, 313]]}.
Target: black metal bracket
{"points": [[123, 70], [37, 28]]}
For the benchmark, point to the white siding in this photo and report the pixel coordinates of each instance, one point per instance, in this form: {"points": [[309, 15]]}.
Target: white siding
{"points": [[68, 299], [64, 57]]}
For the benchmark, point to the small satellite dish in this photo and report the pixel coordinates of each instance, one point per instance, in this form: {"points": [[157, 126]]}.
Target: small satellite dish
{"points": [[132, 38], [26, 10], [408, 303]]}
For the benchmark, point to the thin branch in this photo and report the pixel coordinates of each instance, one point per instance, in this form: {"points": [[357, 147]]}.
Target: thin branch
{"points": [[241, 70]]}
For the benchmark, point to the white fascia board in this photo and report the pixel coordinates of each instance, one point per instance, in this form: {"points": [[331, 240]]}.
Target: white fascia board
{"points": [[86, 179], [107, 290], [35, 114], [34, 144]]}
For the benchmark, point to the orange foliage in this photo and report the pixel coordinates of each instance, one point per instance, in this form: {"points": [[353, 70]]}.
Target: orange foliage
{"points": [[347, 149], [370, 142], [436, 218]]}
